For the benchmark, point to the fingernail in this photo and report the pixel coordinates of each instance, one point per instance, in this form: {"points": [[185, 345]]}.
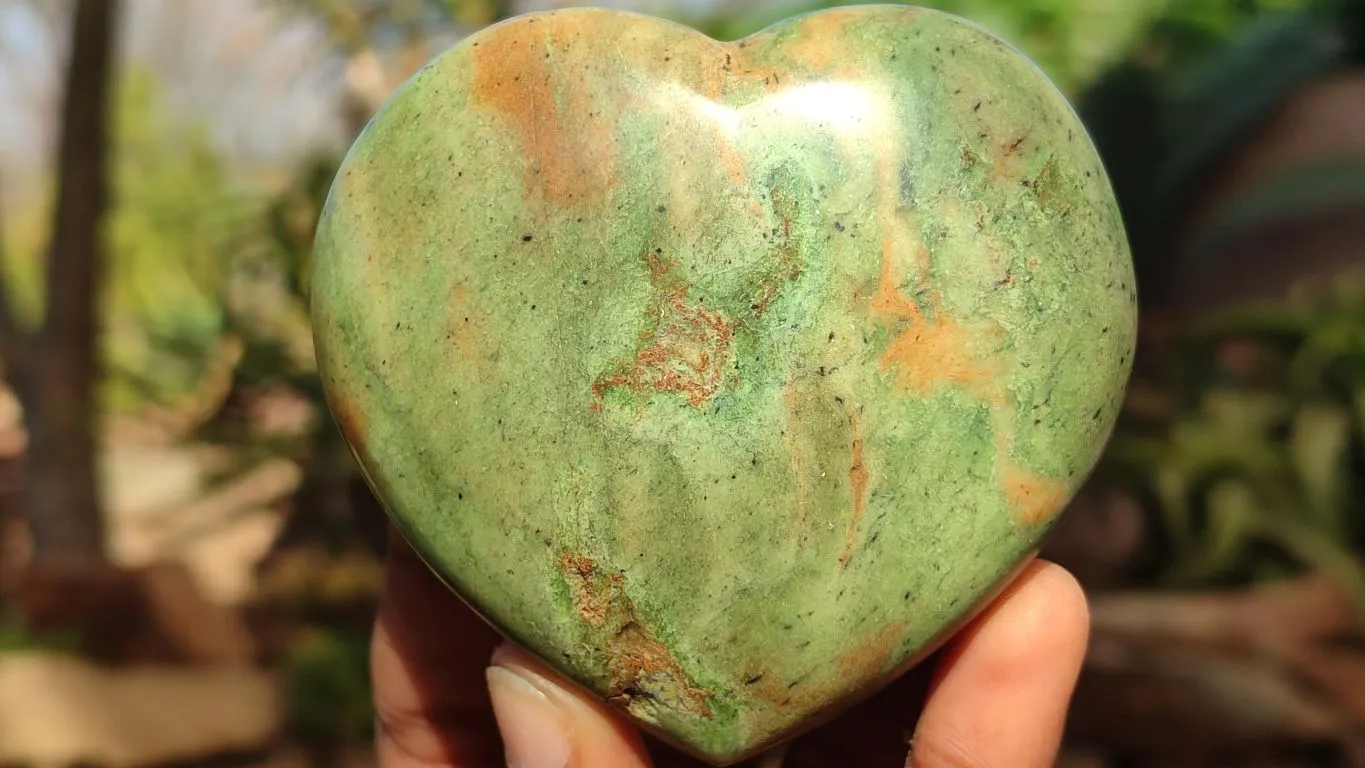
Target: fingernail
{"points": [[534, 731]]}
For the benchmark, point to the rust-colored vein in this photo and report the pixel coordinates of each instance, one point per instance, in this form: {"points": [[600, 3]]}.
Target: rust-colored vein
{"points": [[1008, 160], [857, 480], [871, 657], [786, 267], [1033, 499], [929, 352], [819, 45], [639, 664], [685, 353], [351, 422], [589, 590], [539, 79]]}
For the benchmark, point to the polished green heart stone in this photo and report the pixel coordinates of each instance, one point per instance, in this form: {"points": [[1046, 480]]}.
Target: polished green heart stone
{"points": [[725, 377]]}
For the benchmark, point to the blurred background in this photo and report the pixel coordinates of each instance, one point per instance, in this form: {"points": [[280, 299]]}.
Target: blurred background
{"points": [[189, 561]]}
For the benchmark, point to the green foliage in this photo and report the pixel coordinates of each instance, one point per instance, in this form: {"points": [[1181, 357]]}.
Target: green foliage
{"points": [[327, 687], [1205, 74], [16, 636], [176, 224], [173, 236], [1253, 459]]}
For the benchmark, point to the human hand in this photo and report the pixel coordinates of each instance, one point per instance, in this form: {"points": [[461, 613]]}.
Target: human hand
{"points": [[450, 694]]}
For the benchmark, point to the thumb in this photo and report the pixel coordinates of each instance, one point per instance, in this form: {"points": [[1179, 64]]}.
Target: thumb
{"points": [[547, 723]]}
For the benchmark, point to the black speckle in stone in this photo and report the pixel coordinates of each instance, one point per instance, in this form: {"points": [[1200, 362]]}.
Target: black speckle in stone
{"points": [[831, 336], [977, 107], [907, 596], [1096, 416], [460, 496], [661, 209], [787, 627], [526, 238], [754, 679], [839, 225]]}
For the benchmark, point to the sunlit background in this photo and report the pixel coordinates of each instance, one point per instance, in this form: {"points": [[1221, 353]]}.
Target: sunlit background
{"points": [[189, 562]]}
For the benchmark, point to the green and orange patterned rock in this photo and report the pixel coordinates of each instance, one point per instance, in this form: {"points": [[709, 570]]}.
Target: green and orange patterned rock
{"points": [[726, 377]]}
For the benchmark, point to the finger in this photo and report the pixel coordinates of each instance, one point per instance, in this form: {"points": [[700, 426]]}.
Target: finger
{"points": [[427, 662], [1000, 697], [546, 723]]}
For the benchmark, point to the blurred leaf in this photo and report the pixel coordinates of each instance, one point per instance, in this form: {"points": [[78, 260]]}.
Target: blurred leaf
{"points": [[16, 636], [1251, 474], [1234, 511], [1172, 488], [1318, 446], [327, 687], [1320, 189], [1320, 552]]}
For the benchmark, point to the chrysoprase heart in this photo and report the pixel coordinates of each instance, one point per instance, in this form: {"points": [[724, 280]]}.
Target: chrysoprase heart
{"points": [[727, 378]]}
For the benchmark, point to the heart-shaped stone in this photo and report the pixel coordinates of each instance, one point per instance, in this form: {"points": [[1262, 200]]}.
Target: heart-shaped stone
{"points": [[728, 378]]}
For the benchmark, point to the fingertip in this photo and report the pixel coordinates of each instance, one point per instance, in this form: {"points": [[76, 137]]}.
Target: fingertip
{"points": [[1001, 694], [548, 723]]}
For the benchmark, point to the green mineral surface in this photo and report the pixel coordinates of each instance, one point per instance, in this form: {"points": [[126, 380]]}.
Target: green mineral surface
{"points": [[725, 377]]}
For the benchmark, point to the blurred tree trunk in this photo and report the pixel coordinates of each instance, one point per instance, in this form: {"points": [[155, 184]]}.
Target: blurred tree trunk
{"points": [[55, 370]]}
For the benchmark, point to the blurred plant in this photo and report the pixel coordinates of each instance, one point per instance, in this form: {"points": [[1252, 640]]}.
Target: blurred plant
{"points": [[326, 682], [1205, 75], [15, 636], [1247, 440], [175, 232], [176, 224]]}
